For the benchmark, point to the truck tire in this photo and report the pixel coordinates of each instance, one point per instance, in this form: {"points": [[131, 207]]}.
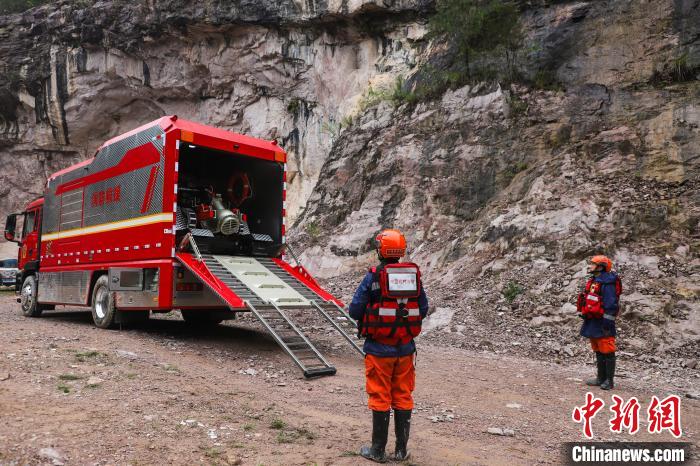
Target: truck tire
{"points": [[200, 318], [104, 311], [28, 297]]}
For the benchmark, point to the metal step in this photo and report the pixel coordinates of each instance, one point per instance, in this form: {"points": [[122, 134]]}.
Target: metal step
{"points": [[299, 348], [329, 310], [280, 323]]}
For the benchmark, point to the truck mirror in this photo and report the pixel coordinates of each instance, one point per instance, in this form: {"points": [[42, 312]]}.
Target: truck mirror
{"points": [[10, 226]]}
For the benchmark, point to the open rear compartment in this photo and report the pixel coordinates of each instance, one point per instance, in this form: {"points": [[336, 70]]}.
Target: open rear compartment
{"points": [[230, 203], [229, 236]]}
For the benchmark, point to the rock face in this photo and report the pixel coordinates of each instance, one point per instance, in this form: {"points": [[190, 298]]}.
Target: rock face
{"points": [[74, 74], [499, 187], [503, 191]]}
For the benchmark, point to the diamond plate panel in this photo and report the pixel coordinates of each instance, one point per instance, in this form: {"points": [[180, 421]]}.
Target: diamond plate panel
{"points": [[262, 237], [64, 287], [132, 191]]}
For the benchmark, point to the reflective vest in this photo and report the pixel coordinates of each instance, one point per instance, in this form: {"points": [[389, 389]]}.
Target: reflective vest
{"points": [[590, 302], [392, 316]]}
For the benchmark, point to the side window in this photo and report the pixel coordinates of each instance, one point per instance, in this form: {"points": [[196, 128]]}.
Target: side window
{"points": [[28, 227]]}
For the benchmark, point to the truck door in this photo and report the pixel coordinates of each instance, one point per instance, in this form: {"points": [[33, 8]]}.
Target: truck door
{"points": [[29, 251]]}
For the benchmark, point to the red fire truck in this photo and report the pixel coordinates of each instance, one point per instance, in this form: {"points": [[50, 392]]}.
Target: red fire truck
{"points": [[173, 215]]}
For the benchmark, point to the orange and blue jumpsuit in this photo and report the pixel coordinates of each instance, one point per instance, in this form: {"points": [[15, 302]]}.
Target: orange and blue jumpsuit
{"points": [[389, 365], [602, 331]]}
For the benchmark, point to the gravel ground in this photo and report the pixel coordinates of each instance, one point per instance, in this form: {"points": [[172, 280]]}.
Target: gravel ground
{"points": [[167, 393]]}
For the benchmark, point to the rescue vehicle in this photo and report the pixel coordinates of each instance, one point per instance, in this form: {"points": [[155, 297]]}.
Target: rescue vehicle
{"points": [[173, 215]]}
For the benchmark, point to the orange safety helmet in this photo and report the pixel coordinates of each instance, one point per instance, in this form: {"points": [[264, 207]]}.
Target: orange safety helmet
{"points": [[604, 261], [391, 244]]}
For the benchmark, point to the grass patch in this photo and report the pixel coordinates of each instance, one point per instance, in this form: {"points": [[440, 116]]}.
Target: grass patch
{"points": [[212, 452], [306, 433], [678, 70], [85, 355], [546, 80], [248, 427], [512, 290], [131, 375], [278, 424], [69, 377], [518, 107], [284, 437], [313, 230], [291, 436], [63, 388], [511, 171], [348, 453], [170, 368]]}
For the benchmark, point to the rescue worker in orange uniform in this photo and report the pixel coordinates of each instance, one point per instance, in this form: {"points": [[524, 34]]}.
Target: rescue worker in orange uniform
{"points": [[599, 304], [389, 306]]}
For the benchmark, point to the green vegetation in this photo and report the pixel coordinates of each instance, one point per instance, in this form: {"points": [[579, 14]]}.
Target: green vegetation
{"points": [[397, 94], [518, 107], [512, 290], [294, 105], [171, 368], [278, 424], [248, 427], [290, 436], [313, 230], [283, 437], [331, 128], [677, 70], [559, 137], [511, 171], [18, 6], [478, 28], [212, 452], [90, 354], [546, 80], [69, 377], [64, 388]]}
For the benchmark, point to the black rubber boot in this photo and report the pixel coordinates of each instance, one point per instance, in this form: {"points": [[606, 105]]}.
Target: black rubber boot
{"points": [[380, 432], [402, 429], [600, 362], [609, 382]]}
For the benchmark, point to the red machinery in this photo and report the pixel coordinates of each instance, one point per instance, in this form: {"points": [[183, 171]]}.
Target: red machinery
{"points": [[172, 215]]}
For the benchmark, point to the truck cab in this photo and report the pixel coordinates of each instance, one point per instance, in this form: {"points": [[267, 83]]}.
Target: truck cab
{"points": [[29, 241]]}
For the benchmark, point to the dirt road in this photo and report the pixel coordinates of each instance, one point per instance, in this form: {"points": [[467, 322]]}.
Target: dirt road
{"points": [[167, 393]]}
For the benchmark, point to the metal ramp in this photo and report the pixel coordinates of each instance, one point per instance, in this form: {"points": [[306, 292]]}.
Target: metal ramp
{"points": [[293, 341], [270, 293], [336, 315]]}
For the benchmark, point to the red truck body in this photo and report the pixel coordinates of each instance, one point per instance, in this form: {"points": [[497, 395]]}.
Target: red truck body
{"points": [[117, 215]]}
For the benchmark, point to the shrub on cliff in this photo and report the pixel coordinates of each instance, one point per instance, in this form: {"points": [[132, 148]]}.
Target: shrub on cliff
{"points": [[16, 6], [482, 33]]}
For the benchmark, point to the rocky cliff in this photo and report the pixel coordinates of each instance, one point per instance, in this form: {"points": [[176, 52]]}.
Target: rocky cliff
{"points": [[75, 73], [503, 190]]}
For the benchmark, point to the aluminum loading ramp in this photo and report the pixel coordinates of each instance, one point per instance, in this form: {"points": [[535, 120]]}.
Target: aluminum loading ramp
{"points": [[270, 292]]}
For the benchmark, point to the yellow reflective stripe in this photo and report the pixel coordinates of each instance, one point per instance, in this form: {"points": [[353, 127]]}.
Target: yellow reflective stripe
{"points": [[118, 225]]}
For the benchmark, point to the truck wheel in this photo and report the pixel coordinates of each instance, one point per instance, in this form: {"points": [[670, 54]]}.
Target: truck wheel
{"points": [[103, 309], [28, 295], [201, 318]]}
